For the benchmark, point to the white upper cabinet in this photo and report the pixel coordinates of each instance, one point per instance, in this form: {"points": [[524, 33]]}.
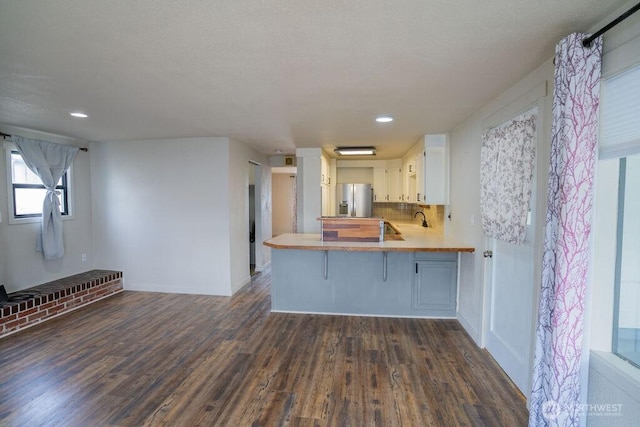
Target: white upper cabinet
{"points": [[426, 171], [420, 176], [387, 181], [410, 177], [394, 176], [380, 185], [436, 169]]}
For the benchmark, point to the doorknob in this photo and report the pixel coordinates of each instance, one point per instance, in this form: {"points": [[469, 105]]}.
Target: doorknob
{"points": [[487, 254]]}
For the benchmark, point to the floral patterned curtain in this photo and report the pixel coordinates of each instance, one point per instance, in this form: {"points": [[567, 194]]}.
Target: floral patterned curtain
{"points": [[507, 160], [556, 389]]}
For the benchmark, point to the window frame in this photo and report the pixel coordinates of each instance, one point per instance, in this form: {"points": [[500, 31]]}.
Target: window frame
{"points": [[66, 186], [620, 220]]}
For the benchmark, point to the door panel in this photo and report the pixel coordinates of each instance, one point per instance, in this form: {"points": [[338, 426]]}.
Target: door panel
{"points": [[510, 315], [511, 282]]}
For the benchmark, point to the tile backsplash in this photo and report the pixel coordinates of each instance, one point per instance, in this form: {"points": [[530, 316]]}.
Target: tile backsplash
{"points": [[405, 212]]}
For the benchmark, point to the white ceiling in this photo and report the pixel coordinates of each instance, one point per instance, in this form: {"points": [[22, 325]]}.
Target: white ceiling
{"points": [[275, 74]]}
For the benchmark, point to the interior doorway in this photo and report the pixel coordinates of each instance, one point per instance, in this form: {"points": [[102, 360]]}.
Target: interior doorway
{"points": [[254, 213], [284, 213]]}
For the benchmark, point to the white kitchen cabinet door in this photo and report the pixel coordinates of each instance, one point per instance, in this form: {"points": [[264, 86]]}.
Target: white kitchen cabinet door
{"points": [[436, 173], [394, 176], [410, 178], [405, 179], [395, 180], [380, 185], [420, 177]]}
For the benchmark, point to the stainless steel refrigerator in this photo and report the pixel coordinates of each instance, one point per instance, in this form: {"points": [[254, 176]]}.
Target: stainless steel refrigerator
{"points": [[354, 200]]}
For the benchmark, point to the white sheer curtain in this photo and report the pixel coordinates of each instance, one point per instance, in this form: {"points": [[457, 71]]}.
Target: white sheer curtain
{"points": [[507, 159], [49, 161]]}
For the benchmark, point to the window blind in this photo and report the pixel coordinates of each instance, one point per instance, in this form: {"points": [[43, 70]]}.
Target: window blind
{"points": [[620, 115]]}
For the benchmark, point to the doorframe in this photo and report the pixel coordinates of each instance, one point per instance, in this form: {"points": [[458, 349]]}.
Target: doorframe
{"points": [[540, 98], [257, 182]]}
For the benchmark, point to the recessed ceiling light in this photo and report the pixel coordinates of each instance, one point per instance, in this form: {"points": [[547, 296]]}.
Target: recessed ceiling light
{"points": [[384, 119], [78, 115]]}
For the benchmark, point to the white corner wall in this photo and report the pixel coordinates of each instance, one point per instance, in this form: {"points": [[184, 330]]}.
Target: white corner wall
{"points": [[308, 196], [238, 190], [161, 213], [173, 214], [20, 265]]}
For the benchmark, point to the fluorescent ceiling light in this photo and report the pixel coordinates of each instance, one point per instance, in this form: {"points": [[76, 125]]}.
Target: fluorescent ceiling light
{"points": [[78, 115], [384, 119], [356, 151]]}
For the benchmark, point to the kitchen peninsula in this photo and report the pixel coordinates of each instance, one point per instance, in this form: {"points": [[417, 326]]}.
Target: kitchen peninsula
{"points": [[413, 275]]}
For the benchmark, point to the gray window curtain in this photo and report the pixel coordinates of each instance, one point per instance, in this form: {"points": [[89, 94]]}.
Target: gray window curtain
{"points": [[49, 161], [507, 159]]}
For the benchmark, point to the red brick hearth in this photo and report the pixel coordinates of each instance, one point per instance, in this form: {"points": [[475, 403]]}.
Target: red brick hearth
{"points": [[39, 303]]}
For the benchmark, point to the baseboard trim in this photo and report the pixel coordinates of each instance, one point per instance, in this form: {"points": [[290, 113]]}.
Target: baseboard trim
{"points": [[323, 313], [473, 332]]}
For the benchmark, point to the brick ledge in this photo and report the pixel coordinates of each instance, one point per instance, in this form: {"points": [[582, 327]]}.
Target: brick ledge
{"points": [[57, 297]]}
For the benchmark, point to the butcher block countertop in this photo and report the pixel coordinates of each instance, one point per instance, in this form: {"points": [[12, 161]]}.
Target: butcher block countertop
{"points": [[416, 239]]}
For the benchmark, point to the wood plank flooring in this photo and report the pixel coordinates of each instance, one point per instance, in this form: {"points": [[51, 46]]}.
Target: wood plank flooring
{"points": [[151, 359]]}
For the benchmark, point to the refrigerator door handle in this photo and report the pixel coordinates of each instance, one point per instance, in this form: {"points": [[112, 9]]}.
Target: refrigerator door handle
{"points": [[353, 197]]}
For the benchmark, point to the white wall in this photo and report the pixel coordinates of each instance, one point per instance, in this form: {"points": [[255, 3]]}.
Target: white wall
{"points": [[160, 213], [173, 214], [263, 229], [20, 265], [308, 188]]}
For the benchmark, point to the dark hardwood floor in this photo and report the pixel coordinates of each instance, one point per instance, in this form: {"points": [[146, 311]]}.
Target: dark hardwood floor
{"points": [[183, 360]]}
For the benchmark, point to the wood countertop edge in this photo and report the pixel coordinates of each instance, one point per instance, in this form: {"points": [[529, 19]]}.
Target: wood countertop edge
{"points": [[368, 248], [349, 218]]}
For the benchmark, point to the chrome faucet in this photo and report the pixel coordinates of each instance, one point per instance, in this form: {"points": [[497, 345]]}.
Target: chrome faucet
{"points": [[424, 218]]}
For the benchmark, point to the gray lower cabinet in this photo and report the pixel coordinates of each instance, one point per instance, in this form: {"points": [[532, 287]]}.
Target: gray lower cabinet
{"points": [[364, 283], [435, 285]]}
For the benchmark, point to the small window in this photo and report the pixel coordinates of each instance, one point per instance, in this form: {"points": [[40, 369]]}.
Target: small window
{"points": [[626, 322], [28, 191]]}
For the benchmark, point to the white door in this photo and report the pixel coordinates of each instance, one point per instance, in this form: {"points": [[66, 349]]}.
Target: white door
{"points": [[510, 278], [508, 339]]}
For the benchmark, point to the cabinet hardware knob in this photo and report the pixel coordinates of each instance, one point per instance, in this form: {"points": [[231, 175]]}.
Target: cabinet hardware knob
{"points": [[487, 254]]}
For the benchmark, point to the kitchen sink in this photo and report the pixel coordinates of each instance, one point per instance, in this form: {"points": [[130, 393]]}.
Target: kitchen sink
{"points": [[391, 232]]}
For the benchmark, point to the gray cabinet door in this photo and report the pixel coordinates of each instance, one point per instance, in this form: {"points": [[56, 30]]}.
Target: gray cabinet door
{"points": [[435, 288]]}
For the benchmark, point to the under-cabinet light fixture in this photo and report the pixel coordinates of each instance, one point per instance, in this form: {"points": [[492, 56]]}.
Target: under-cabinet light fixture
{"points": [[384, 119], [78, 114], [355, 151]]}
